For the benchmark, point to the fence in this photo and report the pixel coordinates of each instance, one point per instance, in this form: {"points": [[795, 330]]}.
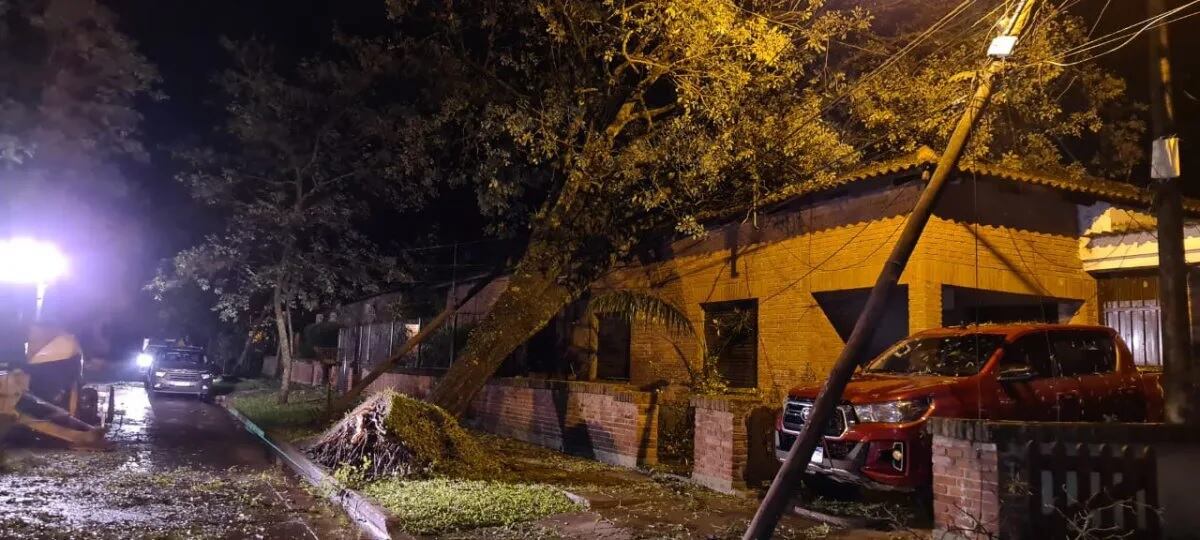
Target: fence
{"points": [[1084, 490], [1064, 480]]}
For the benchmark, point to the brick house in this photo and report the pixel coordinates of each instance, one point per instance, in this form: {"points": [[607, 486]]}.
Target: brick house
{"points": [[1002, 246], [774, 296]]}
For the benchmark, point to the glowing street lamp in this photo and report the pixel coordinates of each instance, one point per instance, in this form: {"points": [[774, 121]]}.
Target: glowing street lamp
{"points": [[25, 260]]}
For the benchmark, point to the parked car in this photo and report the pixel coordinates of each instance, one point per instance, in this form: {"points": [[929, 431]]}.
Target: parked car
{"points": [[1032, 372], [178, 370]]}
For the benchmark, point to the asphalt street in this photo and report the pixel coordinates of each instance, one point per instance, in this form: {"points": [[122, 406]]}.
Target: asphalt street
{"points": [[176, 467]]}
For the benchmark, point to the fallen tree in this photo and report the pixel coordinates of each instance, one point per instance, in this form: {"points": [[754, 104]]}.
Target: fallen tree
{"points": [[390, 434], [351, 396]]}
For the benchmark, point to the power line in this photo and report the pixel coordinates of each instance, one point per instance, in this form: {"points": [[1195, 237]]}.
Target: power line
{"points": [[895, 57], [1124, 35]]}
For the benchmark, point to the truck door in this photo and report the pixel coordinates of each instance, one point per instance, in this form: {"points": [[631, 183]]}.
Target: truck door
{"points": [[1046, 396], [1089, 358]]}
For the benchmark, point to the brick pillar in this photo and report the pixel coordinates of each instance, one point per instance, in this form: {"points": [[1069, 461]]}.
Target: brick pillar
{"points": [[978, 492], [731, 451], [924, 305], [646, 427]]}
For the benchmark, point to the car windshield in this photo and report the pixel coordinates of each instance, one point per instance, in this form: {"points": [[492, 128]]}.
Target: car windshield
{"points": [[952, 356], [181, 359]]}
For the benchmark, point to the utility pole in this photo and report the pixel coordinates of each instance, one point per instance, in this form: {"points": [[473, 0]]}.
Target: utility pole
{"points": [[793, 468], [1180, 384]]}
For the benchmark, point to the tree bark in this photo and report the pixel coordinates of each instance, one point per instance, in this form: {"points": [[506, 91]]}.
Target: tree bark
{"points": [[350, 397], [241, 360], [534, 295], [285, 346]]}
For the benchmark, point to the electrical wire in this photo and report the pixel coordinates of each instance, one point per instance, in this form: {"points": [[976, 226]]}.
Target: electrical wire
{"points": [[1120, 33], [895, 57], [1124, 36]]}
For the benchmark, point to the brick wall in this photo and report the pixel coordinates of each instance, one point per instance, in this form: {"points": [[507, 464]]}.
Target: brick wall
{"points": [[841, 244], [605, 422], [310, 372], [417, 385], [732, 450], [305, 371], [966, 497], [608, 422]]}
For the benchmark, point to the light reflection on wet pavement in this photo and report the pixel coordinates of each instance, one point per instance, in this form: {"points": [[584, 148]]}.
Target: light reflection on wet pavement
{"points": [[177, 468]]}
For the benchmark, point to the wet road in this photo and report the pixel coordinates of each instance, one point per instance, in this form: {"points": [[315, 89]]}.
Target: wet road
{"points": [[177, 468]]}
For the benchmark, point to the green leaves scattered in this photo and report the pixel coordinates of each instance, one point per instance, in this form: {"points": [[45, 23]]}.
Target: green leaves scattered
{"points": [[445, 505]]}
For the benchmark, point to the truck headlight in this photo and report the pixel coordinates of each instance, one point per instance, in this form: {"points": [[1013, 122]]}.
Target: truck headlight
{"points": [[160, 374], [206, 376], [144, 360], [892, 412]]}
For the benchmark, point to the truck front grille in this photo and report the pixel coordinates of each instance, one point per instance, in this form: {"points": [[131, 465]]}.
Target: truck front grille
{"points": [[181, 376], [795, 412]]}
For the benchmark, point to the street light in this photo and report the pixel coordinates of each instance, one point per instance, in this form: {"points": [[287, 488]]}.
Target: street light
{"points": [[25, 260]]}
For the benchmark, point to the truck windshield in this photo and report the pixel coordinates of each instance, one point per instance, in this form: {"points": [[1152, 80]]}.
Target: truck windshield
{"points": [[180, 359], [951, 356]]}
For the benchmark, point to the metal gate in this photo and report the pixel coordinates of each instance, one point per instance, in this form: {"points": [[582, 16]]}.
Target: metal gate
{"points": [[1129, 304]]}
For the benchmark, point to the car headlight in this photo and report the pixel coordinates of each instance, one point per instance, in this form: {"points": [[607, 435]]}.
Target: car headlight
{"points": [[144, 359], [206, 376], [160, 374], [892, 412]]}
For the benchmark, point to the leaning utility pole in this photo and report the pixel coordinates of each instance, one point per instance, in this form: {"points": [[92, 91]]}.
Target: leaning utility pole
{"points": [[1180, 378], [789, 475]]}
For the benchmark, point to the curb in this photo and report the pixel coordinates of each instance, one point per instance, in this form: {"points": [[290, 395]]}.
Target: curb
{"points": [[845, 522], [370, 518]]}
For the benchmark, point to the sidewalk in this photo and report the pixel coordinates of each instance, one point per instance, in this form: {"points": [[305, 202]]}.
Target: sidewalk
{"points": [[628, 504], [620, 503]]}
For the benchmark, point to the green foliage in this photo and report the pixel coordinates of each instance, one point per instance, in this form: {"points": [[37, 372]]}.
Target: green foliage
{"points": [[634, 306], [301, 417], [707, 381], [306, 154], [68, 82], [353, 475], [676, 434], [612, 122], [1043, 117], [445, 505], [435, 439]]}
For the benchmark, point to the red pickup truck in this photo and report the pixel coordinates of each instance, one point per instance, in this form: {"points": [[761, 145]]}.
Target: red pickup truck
{"points": [[1038, 372]]}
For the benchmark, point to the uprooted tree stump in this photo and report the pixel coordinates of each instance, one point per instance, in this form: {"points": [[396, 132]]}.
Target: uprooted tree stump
{"points": [[390, 434]]}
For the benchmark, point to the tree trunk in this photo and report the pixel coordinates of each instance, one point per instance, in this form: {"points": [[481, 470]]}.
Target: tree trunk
{"points": [[241, 360], [533, 297], [348, 400], [571, 246], [285, 346]]}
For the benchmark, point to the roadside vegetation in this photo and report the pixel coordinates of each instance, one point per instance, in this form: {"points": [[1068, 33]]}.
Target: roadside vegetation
{"points": [[445, 481], [410, 456], [435, 476], [445, 505], [300, 418]]}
